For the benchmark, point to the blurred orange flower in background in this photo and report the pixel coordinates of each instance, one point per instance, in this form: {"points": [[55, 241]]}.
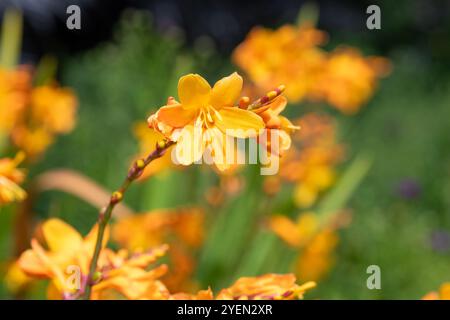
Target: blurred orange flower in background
{"points": [[288, 55], [53, 108], [314, 237], [31, 117], [349, 79], [10, 178], [442, 294], [311, 160], [266, 287], [182, 229], [291, 55], [66, 247], [66, 261], [14, 95]]}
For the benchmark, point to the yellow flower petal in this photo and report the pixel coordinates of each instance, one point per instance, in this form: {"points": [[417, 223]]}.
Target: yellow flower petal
{"points": [[226, 91], [239, 123], [30, 263], [176, 116], [194, 91], [277, 106], [190, 145], [60, 236]]}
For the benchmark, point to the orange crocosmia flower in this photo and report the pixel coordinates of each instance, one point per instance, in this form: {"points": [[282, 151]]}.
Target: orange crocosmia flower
{"points": [[288, 55], [147, 141], [316, 239], [127, 275], [32, 141], [205, 118], [143, 231], [201, 295], [297, 233], [182, 229], [16, 280], [53, 108], [10, 178], [348, 79], [65, 247], [14, 94], [442, 294], [266, 287], [311, 161], [33, 116], [121, 274], [270, 114], [317, 258]]}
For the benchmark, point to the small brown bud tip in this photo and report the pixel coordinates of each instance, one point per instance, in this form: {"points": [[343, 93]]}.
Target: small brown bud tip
{"points": [[170, 100], [244, 102], [161, 144], [116, 197], [140, 164], [264, 100]]}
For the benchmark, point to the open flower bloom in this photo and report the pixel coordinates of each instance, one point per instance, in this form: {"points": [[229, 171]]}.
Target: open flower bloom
{"points": [[66, 260], [66, 249], [266, 287], [10, 178], [205, 118], [442, 294]]}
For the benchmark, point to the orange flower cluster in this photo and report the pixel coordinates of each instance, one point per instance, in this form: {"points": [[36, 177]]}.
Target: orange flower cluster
{"points": [[314, 238], [442, 294], [122, 275], [10, 178], [310, 162], [33, 116], [206, 118], [182, 229], [291, 55]]}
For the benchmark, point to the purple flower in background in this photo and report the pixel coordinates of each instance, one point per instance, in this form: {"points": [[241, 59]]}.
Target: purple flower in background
{"points": [[440, 241], [409, 189]]}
